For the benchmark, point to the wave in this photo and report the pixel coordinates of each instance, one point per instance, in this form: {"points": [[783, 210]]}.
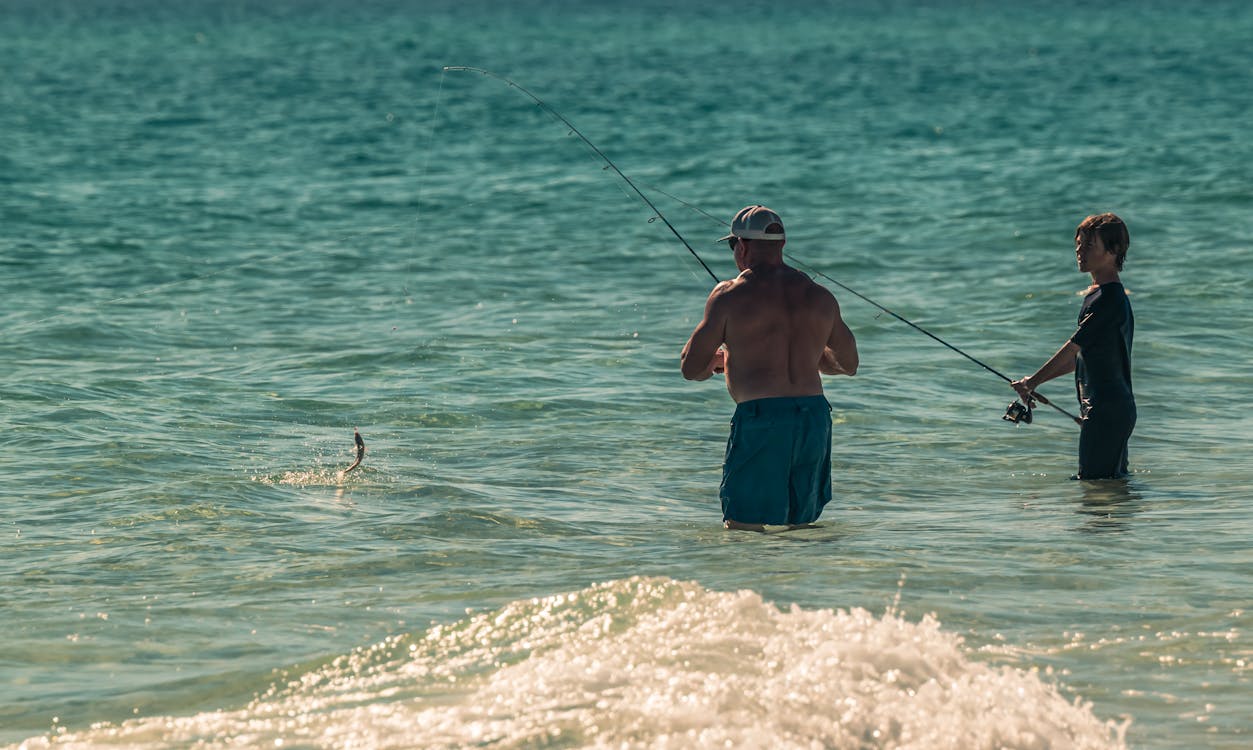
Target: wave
{"points": [[645, 663]]}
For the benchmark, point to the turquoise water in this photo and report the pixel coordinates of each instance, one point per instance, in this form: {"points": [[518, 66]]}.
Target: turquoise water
{"points": [[234, 232]]}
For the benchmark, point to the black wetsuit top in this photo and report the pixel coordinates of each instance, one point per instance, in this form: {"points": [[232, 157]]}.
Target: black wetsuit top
{"points": [[1103, 381]]}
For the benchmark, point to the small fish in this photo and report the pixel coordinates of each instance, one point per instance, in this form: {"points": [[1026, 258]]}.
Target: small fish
{"points": [[356, 437]]}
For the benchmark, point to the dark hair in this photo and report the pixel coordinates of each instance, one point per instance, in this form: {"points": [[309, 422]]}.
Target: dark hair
{"points": [[1111, 230]]}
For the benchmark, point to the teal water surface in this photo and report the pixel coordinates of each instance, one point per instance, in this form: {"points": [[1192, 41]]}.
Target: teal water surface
{"points": [[232, 232]]}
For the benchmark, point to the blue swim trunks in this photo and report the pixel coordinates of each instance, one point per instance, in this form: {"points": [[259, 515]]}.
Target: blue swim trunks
{"points": [[777, 469]]}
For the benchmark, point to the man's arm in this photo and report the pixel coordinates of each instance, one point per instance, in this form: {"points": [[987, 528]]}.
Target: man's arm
{"points": [[701, 355], [840, 355], [1059, 364]]}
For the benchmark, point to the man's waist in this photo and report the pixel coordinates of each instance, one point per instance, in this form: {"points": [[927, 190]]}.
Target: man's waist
{"points": [[779, 405]]}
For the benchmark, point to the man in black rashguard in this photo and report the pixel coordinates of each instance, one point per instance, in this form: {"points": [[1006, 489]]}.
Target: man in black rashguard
{"points": [[1099, 352]]}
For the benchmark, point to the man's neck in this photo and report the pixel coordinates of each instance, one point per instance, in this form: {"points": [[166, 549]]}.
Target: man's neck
{"points": [[1104, 277], [765, 265]]}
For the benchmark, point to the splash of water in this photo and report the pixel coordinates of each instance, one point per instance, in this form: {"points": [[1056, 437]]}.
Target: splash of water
{"points": [[647, 663]]}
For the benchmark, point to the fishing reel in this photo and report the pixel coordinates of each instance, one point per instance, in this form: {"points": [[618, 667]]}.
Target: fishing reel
{"points": [[1018, 412]]}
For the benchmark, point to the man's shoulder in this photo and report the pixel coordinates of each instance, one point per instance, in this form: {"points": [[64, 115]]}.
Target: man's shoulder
{"points": [[1108, 296], [726, 297], [815, 294], [725, 289]]}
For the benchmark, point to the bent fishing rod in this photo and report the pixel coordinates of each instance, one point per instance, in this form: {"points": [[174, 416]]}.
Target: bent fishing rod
{"points": [[592, 146], [1015, 413]]}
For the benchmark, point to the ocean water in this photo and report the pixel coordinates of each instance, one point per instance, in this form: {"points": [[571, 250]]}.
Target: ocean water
{"points": [[232, 232]]}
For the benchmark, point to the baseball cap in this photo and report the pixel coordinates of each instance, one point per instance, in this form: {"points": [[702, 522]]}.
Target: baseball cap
{"points": [[751, 224]]}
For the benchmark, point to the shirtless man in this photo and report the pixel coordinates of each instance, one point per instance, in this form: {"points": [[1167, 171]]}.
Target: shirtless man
{"points": [[772, 330]]}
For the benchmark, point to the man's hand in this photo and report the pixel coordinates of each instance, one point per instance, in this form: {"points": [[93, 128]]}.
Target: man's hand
{"points": [[1024, 387], [828, 364]]}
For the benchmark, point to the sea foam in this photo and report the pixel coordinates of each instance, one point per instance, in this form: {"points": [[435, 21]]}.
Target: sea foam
{"points": [[647, 663]]}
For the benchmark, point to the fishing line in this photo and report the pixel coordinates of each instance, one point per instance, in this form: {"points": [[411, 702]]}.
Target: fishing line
{"points": [[338, 243], [1018, 416], [1021, 416], [335, 242], [426, 168], [159, 288]]}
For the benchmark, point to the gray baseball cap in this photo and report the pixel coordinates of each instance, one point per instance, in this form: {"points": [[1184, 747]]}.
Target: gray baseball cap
{"points": [[752, 222]]}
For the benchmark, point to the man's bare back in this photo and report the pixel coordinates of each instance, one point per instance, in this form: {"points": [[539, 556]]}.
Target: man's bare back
{"points": [[779, 329], [778, 323]]}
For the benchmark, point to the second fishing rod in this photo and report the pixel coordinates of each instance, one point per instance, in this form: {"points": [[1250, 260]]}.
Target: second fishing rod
{"points": [[1016, 412]]}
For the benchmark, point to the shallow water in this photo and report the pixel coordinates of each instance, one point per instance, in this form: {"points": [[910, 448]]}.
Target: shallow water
{"points": [[235, 233]]}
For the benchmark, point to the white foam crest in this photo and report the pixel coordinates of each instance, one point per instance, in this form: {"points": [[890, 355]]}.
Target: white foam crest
{"points": [[649, 663]]}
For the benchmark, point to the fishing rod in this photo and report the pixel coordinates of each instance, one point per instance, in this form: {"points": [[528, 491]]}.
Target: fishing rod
{"points": [[592, 146], [1016, 412]]}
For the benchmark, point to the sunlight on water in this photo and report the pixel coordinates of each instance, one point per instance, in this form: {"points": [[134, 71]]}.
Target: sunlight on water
{"points": [[648, 663]]}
